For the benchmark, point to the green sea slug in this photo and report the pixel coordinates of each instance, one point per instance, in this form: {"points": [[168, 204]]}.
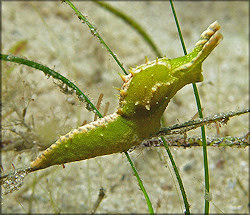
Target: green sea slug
{"points": [[144, 96]]}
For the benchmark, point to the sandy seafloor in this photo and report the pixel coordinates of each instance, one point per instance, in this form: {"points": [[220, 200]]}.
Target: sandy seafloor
{"points": [[55, 37]]}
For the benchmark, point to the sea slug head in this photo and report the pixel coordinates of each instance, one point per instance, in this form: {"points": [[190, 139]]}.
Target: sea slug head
{"points": [[188, 68], [149, 87]]}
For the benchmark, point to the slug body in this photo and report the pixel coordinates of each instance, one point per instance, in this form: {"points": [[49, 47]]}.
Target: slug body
{"points": [[144, 96]]}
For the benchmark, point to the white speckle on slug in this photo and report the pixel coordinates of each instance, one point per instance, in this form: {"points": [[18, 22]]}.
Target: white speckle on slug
{"points": [[147, 107], [136, 103]]}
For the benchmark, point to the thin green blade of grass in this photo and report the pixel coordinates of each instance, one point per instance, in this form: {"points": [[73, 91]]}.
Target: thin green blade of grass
{"points": [[150, 208], [203, 133], [95, 33], [133, 24], [54, 74], [183, 193], [204, 147], [18, 48]]}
